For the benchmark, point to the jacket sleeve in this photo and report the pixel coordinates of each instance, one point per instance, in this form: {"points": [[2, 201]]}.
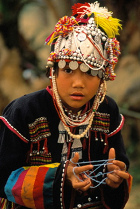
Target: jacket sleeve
{"points": [[13, 154], [36, 187], [33, 187]]}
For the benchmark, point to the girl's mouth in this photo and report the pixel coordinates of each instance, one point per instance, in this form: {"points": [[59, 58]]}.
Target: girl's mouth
{"points": [[77, 96]]}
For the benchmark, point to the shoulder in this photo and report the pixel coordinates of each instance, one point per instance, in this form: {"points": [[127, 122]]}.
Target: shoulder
{"points": [[25, 110], [27, 107], [27, 102], [109, 106]]}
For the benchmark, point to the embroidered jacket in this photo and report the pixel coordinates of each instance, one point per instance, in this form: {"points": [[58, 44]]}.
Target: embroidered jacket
{"points": [[35, 149]]}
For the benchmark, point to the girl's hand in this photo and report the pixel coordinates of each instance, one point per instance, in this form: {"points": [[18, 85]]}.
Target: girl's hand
{"points": [[119, 171], [77, 184]]}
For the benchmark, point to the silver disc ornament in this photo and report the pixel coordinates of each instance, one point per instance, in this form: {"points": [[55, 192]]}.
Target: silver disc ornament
{"points": [[73, 65], [61, 64], [84, 68]]}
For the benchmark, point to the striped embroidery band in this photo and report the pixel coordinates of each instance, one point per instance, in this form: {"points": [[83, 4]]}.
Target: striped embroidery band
{"points": [[39, 129], [101, 122]]}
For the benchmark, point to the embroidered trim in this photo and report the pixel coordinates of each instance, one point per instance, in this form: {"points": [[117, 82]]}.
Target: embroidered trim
{"points": [[39, 129], [118, 128], [14, 130], [101, 122], [62, 184], [4, 204], [39, 158]]}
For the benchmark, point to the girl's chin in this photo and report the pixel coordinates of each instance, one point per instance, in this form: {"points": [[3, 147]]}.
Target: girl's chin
{"points": [[73, 109]]}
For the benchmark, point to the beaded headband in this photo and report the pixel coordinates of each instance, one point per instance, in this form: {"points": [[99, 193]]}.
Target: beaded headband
{"points": [[86, 39]]}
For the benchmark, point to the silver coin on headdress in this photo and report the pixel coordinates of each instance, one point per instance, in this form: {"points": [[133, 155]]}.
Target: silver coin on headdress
{"points": [[94, 72], [100, 73], [73, 65], [84, 67], [61, 64]]}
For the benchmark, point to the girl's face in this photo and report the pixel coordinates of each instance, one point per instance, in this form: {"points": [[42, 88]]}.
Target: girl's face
{"points": [[75, 87]]}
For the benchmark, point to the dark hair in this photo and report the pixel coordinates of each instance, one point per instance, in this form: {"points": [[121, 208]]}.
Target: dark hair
{"points": [[55, 68]]}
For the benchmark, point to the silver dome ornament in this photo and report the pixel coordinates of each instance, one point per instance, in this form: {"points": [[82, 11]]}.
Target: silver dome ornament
{"points": [[84, 67], [73, 65], [81, 37], [61, 64]]}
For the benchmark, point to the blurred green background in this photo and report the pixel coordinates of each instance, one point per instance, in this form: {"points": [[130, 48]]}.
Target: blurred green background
{"points": [[24, 26]]}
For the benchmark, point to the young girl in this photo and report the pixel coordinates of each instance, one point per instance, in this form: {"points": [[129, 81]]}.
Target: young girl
{"points": [[61, 147]]}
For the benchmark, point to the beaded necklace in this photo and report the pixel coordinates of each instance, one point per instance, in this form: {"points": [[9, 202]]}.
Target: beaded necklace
{"points": [[69, 121]]}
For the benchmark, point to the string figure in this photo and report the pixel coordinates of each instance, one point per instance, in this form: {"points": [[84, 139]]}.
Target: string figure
{"points": [[97, 177]]}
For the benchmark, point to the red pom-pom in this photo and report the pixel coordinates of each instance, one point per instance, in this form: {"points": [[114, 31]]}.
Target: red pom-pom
{"points": [[80, 9]]}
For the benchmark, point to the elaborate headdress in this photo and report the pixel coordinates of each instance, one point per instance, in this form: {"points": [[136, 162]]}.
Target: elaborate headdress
{"points": [[87, 38]]}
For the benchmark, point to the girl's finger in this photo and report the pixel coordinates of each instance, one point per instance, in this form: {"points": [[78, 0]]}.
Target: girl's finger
{"points": [[122, 174], [78, 170]]}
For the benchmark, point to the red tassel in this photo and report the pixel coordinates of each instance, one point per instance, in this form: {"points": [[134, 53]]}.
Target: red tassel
{"points": [[69, 147], [31, 149], [45, 146], [106, 144], [84, 144], [96, 138]]}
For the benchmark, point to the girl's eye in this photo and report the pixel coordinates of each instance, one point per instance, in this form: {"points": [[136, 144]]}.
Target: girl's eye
{"points": [[89, 72], [68, 70]]}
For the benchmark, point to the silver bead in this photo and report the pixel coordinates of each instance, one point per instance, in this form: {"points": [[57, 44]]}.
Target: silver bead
{"points": [[74, 54], [50, 64], [103, 38], [89, 58], [79, 206], [89, 199]]}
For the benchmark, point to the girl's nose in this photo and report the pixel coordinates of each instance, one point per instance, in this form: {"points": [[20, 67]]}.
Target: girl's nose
{"points": [[78, 79]]}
